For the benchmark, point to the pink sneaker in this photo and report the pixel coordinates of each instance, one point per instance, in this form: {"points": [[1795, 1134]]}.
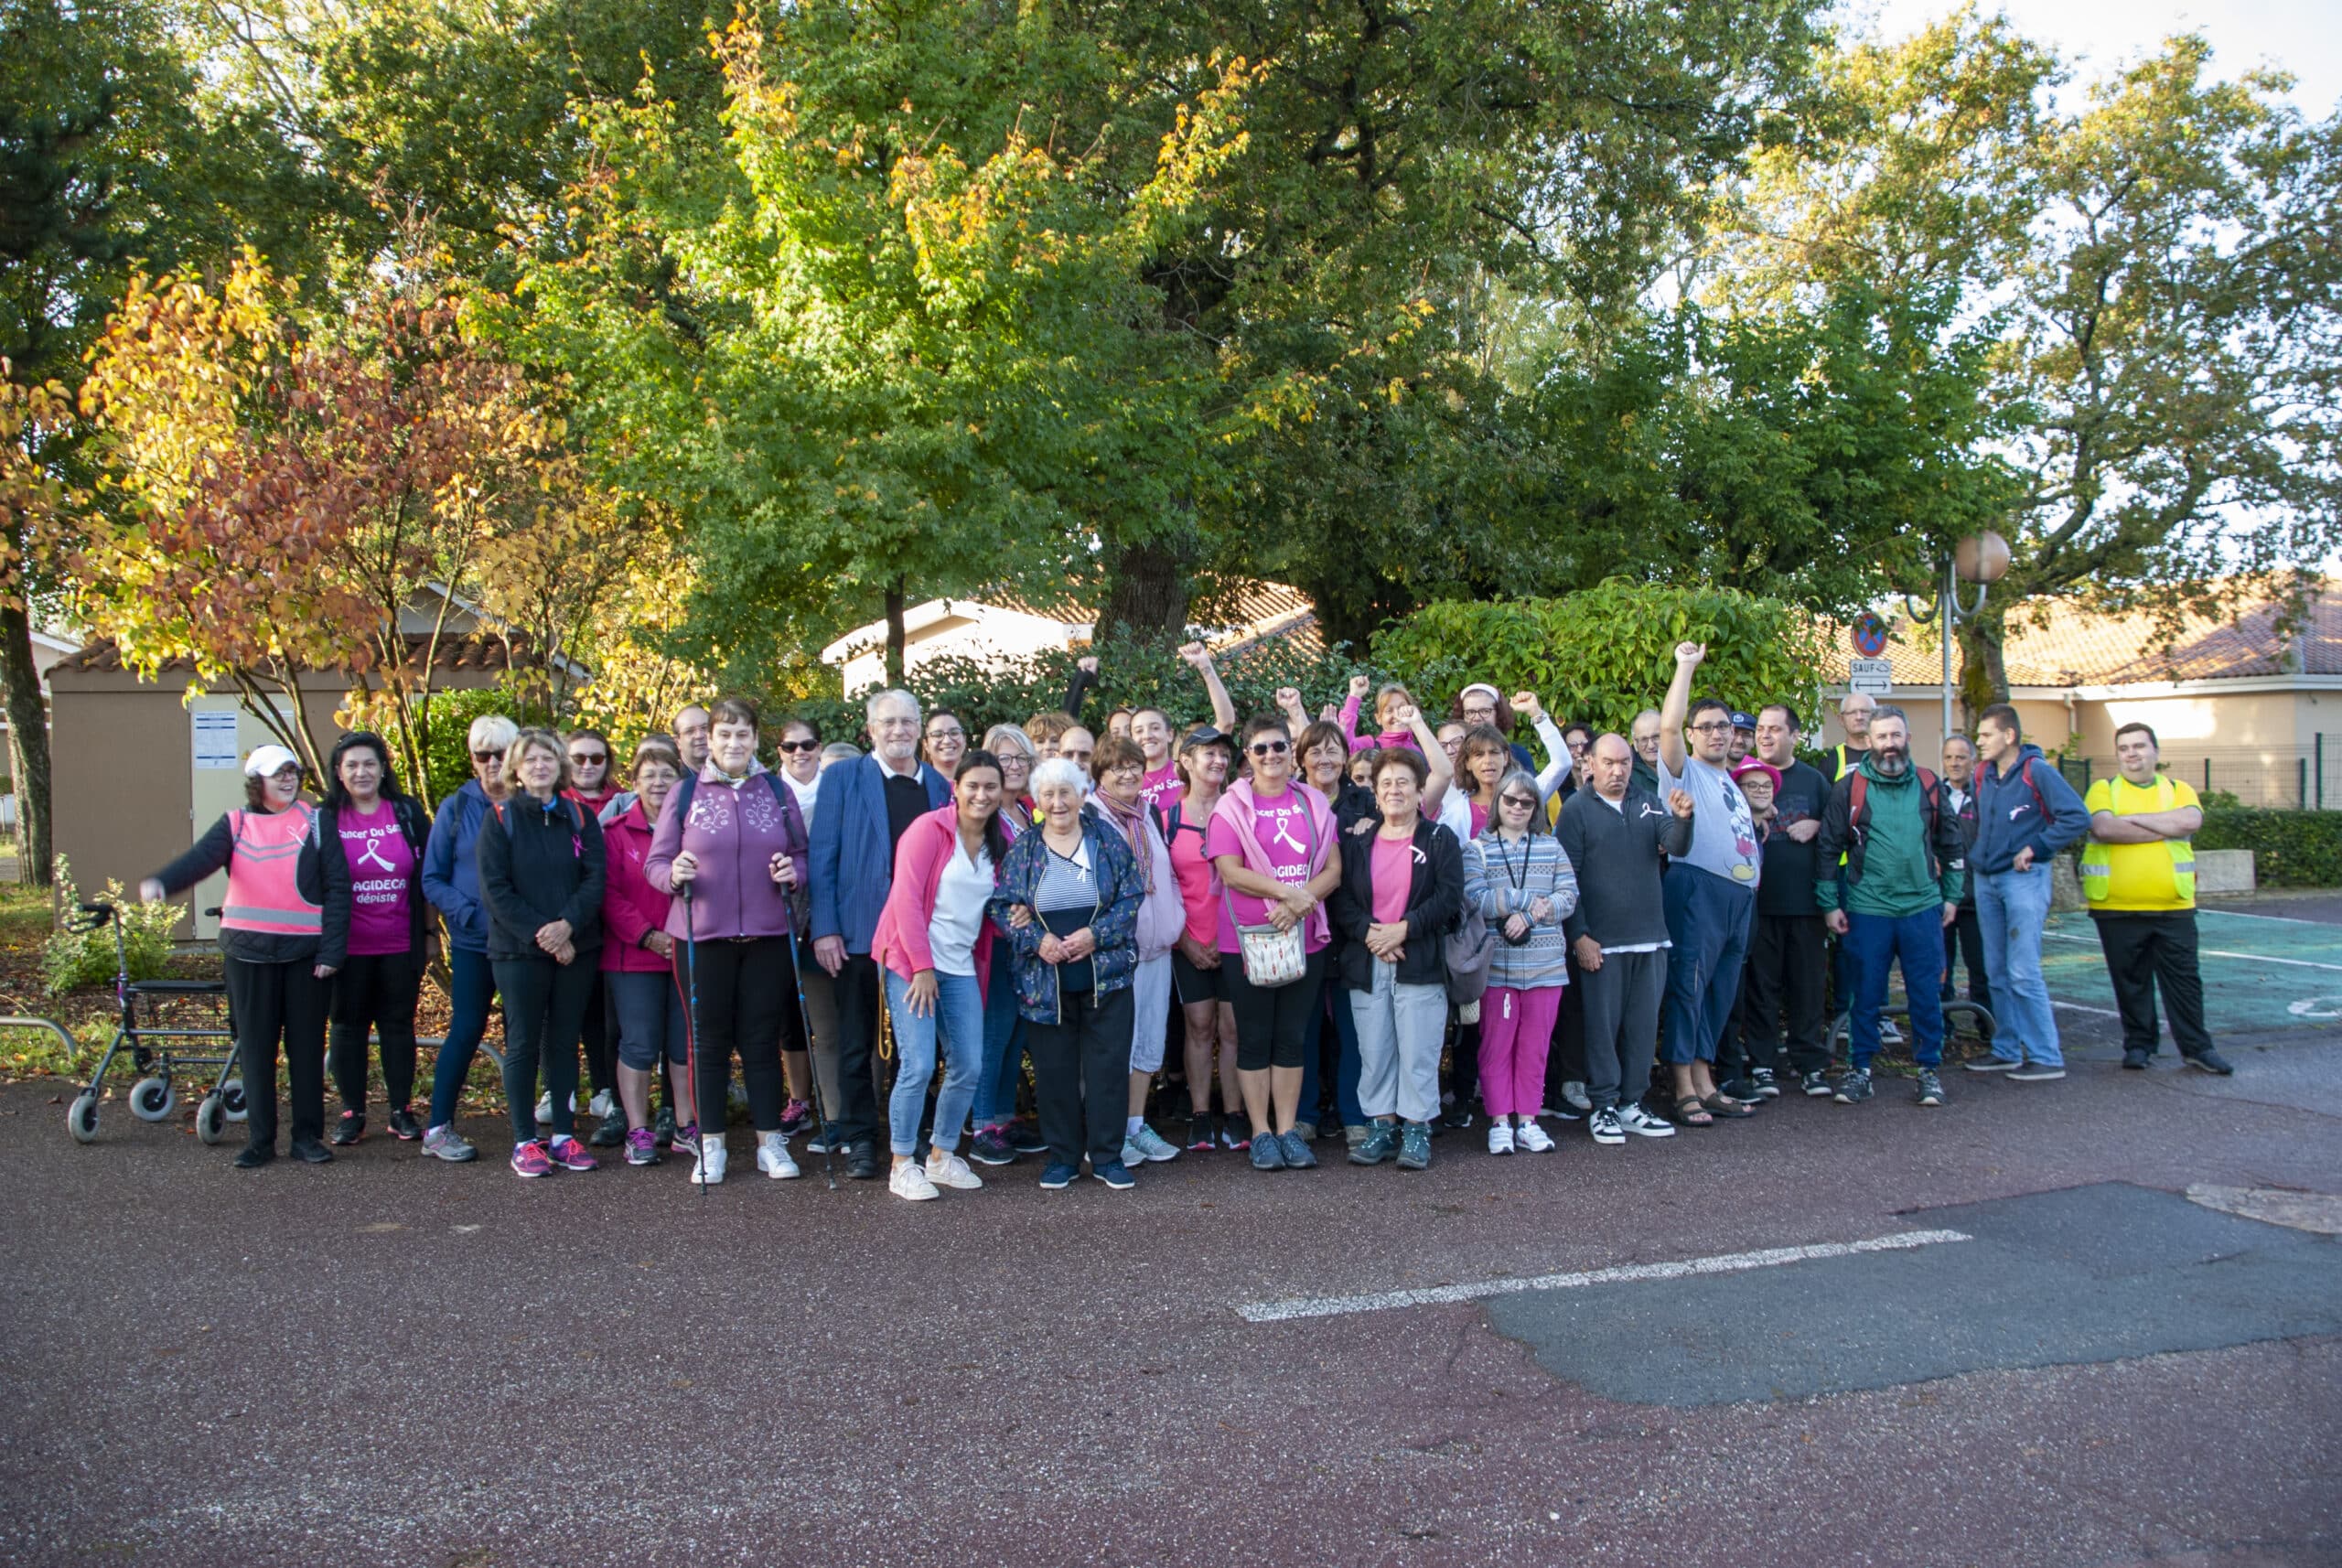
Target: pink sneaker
{"points": [[530, 1159], [571, 1155]]}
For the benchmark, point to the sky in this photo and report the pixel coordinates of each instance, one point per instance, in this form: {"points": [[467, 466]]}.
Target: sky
{"points": [[2303, 37]]}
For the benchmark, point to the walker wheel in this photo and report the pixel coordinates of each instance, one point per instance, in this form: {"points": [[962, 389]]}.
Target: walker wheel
{"points": [[152, 1099], [232, 1095], [211, 1118], [81, 1118]]}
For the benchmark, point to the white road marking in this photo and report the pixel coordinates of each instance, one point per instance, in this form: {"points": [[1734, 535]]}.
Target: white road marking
{"points": [[1625, 1273], [2215, 952], [2077, 1007], [2281, 920]]}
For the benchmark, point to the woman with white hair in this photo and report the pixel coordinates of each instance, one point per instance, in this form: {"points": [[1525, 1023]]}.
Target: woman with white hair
{"points": [[451, 882]]}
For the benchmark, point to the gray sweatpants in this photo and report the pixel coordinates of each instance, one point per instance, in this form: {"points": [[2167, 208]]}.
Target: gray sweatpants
{"points": [[1400, 1031], [1622, 1002]]}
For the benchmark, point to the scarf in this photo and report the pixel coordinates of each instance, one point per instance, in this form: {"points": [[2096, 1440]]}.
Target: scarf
{"points": [[1130, 819]]}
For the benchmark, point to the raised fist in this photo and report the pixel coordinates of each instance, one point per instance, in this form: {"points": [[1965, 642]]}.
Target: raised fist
{"points": [[1087, 664], [1288, 697], [1526, 702], [1688, 654], [1407, 714], [1360, 685], [1679, 802], [1195, 654]]}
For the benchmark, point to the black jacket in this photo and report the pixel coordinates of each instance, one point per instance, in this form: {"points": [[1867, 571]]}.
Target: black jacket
{"points": [[538, 864], [1616, 851], [1434, 903], [325, 880]]}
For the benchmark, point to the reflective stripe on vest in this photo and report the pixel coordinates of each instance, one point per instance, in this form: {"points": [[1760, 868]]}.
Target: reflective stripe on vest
{"points": [[264, 883], [2098, 859]]}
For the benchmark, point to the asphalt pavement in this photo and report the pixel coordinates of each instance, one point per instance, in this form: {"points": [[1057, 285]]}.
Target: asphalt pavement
{"points": [[389, 1359]]}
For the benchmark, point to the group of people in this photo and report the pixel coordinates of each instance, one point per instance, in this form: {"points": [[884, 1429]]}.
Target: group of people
{"points": [[1343, 931]]}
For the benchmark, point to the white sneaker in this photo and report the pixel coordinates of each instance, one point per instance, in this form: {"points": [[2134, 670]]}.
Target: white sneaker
{"points": [[1643, 1124], [603, 1105], [1531, 1138], [1575, 1096], [1499, 1137], [708, 1169], [772, 1156], [544, 1105], [909, 1181], [951, 1171], [1603, 1125]]}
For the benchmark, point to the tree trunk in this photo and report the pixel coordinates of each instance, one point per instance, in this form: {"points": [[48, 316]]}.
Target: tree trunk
{"points": [[27, 744], [896, 636], [1146, 594], [1984, 676]]}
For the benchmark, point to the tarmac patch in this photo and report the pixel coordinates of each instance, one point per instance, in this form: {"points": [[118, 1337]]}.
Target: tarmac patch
{"points": [[2088, 1274]]}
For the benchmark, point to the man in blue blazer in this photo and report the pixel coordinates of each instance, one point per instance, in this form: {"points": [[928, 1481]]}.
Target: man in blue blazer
{"points": [[867, 805]]}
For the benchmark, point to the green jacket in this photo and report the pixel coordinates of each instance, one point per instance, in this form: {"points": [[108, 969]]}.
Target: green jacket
{"points": [[1905, 853]]}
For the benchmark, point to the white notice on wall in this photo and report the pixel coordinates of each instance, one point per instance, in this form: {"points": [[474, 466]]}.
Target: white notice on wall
{"points": [[215, 739], [1874, 676]]}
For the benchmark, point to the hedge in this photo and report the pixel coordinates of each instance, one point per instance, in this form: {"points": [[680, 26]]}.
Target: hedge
{"points": [[2290, 849]]}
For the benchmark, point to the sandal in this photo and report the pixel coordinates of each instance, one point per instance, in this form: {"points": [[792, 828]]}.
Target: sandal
{"points": [[1691, 1112], [1725, 1105]]}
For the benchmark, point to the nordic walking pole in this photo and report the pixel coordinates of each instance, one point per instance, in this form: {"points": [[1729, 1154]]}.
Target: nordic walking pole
{"points": [[691, 1029], [805, 1033]]}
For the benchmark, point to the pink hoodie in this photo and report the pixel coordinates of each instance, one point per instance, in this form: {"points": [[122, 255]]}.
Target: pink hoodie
{"points": [[631, 906]]}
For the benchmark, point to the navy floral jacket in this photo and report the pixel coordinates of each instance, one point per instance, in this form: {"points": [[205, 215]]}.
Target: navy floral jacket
{"points": [[1121, 891]]}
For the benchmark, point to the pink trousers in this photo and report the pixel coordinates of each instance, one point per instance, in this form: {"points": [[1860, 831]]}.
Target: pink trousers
{"points": [[1515, 1034]]}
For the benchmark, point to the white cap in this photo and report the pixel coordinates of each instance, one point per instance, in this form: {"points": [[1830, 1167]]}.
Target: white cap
{"points": [[1481, 686], [266, 760]]}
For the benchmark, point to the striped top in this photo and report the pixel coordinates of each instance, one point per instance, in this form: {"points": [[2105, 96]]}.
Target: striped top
{"points": [[1501, 876]]}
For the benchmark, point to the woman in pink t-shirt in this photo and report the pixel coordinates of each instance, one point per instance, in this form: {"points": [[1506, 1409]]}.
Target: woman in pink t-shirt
{"points": [[374, 942], [1273, 842]]}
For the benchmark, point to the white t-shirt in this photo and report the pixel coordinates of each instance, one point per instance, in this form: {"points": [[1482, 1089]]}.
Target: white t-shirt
{"points": [[960, 895]]}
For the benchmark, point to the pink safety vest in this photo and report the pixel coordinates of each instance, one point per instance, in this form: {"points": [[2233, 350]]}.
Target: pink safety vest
{"points": [[264, 887]]}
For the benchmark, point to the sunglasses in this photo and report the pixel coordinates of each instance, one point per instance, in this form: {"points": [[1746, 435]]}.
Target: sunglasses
{"points": [[1269, 748], [1524, 803], [488, 756], [589, 759], [791, 747]]}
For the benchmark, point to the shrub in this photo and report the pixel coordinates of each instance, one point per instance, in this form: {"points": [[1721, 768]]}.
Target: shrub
{"points": [[1603, 654], [73, 959], [2290, 849]]}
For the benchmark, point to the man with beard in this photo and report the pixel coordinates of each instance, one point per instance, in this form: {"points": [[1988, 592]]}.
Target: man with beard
{"points": [[1903, 874], [1787, 979]]}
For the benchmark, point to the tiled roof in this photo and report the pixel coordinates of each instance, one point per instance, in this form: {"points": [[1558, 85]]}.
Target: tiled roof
{"points": [[1233, 613], [2067, 644], [483, 655]]}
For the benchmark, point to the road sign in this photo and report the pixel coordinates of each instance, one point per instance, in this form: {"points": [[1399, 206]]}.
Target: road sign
{"points": [[1874, 676], [1869, 635]]}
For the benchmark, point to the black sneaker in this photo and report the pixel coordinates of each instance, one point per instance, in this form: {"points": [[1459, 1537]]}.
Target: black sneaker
{"points": [[611, 1133], [1200, 1136], [662, 1127], [1766, 1085], [862, 1162], [2209, 1060], [1816, 1085], [252, 1156], [1930, 1087], [1025, 1136], [311, 1152], [1235, 1133], [348, 1130], [1743, 1089], [403, 1126], [1455, 1118], [2137, 1060], [1853, 1088], [795, 1118]]}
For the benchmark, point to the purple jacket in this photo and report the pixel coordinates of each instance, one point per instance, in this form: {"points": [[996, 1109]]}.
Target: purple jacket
{"points": [[734, 831]]}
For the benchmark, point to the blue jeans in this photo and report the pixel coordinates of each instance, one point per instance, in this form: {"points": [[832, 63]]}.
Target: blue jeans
{"points": [[1873, 943], [958, 1022], [473, 983], [2013, 907], [1346, 1066], [1708, 919], [1004, 1047]]}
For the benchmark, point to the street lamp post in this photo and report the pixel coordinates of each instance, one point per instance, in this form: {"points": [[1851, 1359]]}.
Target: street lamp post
{"points": [[1981, 558]]}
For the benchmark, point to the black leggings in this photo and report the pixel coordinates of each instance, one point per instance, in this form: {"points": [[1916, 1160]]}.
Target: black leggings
{"points": [[375, 992], [1272, 1025], [544, 1002], [746, 1004], [270, 1000]]}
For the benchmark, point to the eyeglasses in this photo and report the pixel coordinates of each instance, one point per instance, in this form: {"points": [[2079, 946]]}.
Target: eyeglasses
{"points": [[1269, 748], [1133, 767], [791, 747], [947, 735], [1715, 728], [497, 756], [589, 759], [1520, 801]]}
